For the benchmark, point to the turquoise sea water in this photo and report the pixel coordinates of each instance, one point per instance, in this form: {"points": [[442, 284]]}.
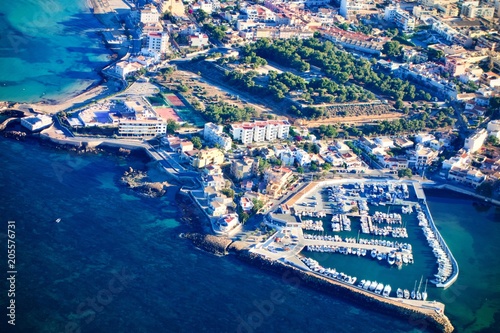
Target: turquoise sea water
{"points": [[70, 273], [49, 49], [473, 235]]}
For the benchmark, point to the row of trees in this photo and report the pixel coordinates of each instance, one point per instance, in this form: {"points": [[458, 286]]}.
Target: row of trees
{"points": [[413, 125], [279, 85], [223, 113]]}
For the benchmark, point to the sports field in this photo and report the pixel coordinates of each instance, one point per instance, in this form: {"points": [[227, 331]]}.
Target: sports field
{"points": [[183, 110]]}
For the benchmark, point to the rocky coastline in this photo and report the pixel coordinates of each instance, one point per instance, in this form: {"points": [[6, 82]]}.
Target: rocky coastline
{"points": [[138, 181], [425, 319]]}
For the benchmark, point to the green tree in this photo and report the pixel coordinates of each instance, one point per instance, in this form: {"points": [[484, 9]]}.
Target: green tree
{"points": [[228, 192], [399, 104], [392, 48], [434, 54], [493, 140], [406, 172], [201, 15], [257, 205], [182, 88], [243, 217], [172, 126], [196, 142]]}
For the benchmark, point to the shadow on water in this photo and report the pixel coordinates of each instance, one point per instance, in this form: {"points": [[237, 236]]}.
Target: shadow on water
{"points": [[80, 23]]}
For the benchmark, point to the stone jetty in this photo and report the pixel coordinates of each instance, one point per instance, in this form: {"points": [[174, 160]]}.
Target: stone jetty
{"points": [[422, 318]]}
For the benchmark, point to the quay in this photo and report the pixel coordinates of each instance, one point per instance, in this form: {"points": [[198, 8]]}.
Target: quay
{"points": [[454, 276]]}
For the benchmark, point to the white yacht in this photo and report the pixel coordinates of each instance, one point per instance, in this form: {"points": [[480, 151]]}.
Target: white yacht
{"points": [[379, 288], [414, 291], [399, 293], [367, 284], [387, 291], [424, 293], [373, 285], [391, 259]]}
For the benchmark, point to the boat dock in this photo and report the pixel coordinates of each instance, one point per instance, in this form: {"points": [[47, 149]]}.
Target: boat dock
{"points": [[368, 247], [454, 275]]}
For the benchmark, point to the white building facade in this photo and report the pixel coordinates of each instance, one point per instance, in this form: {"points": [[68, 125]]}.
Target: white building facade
{"points": [[474, 142], [214, 133], [260, 131]]}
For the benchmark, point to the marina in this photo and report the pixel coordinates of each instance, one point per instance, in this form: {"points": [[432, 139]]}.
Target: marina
{"points": [[386, 224]]}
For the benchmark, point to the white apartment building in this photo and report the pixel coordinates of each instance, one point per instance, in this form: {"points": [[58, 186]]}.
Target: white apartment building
{"points": [[125, 68], [302, 157], [474, 142], [468, 176], [141, 121], [471, 9], [449, 33], [423, 157], [207, 6], [213, 133], [149, 14], [260, 131], [401, 18], [259, 13], [434, 3], [141, 127], [493, 128], [158, 42], [351, 7]]}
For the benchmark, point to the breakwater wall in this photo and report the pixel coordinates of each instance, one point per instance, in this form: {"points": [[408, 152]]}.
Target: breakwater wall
{"points": [[210, 243], [425, 319], [444, 246], [463, 191]]}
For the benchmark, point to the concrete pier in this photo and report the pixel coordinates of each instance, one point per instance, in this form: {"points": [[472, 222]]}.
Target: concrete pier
{"points": [[453, 277]]}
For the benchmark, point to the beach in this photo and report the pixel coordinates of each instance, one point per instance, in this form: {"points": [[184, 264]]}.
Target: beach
{"points": [[94, 93]]}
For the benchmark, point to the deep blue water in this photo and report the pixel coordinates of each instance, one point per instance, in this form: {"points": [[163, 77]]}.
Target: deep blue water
{"points": [[49, 49], [115, 264]]}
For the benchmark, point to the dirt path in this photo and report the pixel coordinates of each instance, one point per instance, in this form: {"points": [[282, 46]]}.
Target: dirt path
{"points": [[351, 119]]}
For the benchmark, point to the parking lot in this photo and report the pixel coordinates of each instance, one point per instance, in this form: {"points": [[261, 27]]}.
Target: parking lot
{"points": [[141, 89]]}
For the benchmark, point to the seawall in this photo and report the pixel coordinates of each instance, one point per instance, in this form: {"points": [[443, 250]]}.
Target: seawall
{"points": [[457, 189], [425, 319]]}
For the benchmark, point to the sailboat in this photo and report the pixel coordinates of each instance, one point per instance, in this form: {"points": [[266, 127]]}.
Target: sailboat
{"points": [[413, 291], [424, 293], [419, 295]]}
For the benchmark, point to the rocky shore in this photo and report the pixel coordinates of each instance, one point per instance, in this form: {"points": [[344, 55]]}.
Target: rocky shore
{"points": [[138, 181], [210, 243], [421, 318]]}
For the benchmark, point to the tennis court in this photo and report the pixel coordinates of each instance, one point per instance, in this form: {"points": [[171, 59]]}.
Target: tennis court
{"points": [[174, 100], [168, 113]]}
